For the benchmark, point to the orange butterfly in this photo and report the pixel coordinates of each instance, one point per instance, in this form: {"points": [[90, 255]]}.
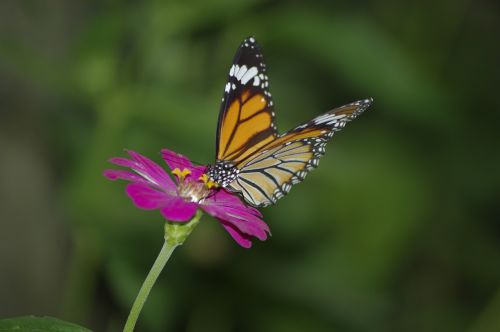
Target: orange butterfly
{"points": [[253, 159]]}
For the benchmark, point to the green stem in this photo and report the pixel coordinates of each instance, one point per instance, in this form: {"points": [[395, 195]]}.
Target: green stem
{"points": [[159, 264], [175, 235]]}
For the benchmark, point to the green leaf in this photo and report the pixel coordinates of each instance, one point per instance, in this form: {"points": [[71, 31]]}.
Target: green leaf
{"points": [[38, 324]]}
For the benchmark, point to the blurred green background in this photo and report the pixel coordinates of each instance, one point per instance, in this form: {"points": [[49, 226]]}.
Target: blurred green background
{"points": [[397, 230]]}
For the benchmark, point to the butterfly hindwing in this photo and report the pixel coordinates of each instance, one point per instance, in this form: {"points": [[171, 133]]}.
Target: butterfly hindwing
{"points": [[246, 118], [269, 174]]}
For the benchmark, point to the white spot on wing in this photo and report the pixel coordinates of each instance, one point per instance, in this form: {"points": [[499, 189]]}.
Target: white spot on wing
{"points": [[249, 75], [328, 118], [241, 72]]}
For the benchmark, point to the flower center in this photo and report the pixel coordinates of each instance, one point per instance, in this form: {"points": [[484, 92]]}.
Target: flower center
{"points": [[192, 190]]}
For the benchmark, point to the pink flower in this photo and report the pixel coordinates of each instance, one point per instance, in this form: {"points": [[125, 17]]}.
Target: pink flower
{"points": [[152, 188]]}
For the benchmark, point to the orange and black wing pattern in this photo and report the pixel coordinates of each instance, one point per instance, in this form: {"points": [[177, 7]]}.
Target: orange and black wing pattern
{"points": [[246, 118], [268, 174], [252, 159]]}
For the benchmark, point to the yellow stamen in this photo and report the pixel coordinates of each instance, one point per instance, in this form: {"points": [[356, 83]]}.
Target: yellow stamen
{"points": [[206, 180], [181, 175]]}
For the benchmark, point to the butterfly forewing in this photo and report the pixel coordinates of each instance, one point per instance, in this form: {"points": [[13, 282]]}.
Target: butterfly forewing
{"points": [[246, 118]]}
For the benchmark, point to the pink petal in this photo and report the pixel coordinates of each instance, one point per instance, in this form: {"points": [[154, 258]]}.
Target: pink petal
{"points": [[197, 171], [124, 162], [245, 222], [176, 160], [150, 170], [231, 211], [114, 174], [179, 210], [224, 198], [256, 228], [145, 197], [240, 238]]}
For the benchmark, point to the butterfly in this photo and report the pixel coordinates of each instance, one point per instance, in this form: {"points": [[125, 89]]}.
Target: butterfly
{"points": [[252, 158]]}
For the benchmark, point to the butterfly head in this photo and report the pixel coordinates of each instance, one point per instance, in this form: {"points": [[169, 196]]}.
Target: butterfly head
{"points": [[222, 173]]}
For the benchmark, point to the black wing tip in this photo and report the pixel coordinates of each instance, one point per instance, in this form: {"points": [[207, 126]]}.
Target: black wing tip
{"points": [[250, 42], [362, 105], [364, 102], [356, 108], [250, 39]]}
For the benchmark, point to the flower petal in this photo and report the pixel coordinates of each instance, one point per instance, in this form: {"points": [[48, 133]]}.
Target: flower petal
{"points": [[223, 198], [240, 238], [150, 170], [178, 209], [145, 197], [124, 162], [231, 210], [197, 172], [115, 174], [248, 224], [176, 160]]}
